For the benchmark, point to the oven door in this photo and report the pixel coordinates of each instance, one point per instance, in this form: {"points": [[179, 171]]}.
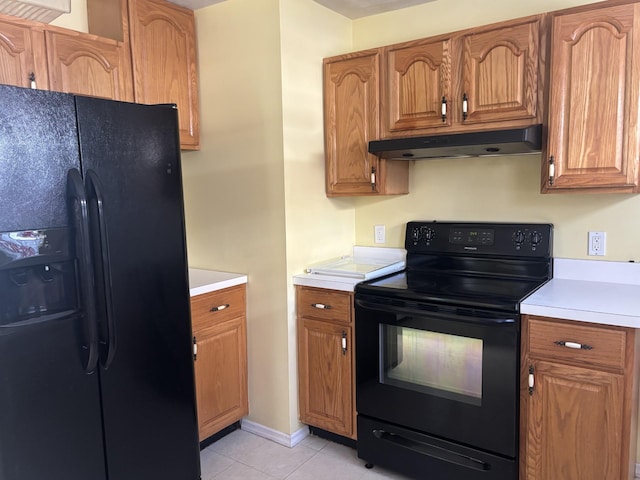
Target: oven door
{"points": [[439, 371]]}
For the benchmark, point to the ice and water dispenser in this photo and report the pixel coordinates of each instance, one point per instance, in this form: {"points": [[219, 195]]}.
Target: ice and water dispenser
{"points": [[37, 274]]}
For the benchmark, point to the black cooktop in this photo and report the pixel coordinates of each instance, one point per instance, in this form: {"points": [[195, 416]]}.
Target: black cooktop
{"points": [[479, 265]]}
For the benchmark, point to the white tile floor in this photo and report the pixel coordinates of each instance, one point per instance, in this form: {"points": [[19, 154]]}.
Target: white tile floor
{"points": [[244, 456]]}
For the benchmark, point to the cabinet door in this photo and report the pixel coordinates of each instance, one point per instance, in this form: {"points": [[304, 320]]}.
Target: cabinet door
{"points": [[351, 97], [163, 49], [325, 356], [221, 376], [22, 53], [593, 101], [88, 65], [575, 420], [418, 86], [500, 73]]}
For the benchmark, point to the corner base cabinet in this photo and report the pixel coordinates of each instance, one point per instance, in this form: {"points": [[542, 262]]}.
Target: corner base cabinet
{"points": [[220, 358], [578, 400], [325, 359]]}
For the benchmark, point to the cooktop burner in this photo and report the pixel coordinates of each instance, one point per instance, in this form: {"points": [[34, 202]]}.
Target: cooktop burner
{"points": [[470, 264]]}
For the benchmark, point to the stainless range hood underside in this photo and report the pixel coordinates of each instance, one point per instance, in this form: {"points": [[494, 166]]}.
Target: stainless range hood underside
{"points": [[474, 144]]}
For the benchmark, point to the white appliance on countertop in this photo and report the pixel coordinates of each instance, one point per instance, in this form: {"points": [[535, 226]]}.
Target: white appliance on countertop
{"points": [[364, 264]]}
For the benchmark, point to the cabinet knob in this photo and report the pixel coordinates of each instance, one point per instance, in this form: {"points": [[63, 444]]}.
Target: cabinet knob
{"points": [[219, 307], [465, 106], [577, 346], [531, 380], [444, 109], [321, 306]]}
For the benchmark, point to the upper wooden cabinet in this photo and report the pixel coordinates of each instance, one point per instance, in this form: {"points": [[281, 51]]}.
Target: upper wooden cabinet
{"points": [[465, 81], [418, 81], [22, 54], [88, 65], [163, 49], [41, 56], [351, 118], [593, 100]]}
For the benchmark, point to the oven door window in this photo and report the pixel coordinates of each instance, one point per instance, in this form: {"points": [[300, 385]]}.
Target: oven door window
{"points": [[440, 364]]}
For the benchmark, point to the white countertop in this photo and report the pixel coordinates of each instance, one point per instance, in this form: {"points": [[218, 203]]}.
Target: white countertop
{"points": [[590, 291], [205, 281], [338, 282]]}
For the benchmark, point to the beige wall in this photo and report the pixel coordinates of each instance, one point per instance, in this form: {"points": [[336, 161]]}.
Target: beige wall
{"points": [[490, 188], [497, 189], [234, 186], [254, 194], [76, 19], [316, 228]]}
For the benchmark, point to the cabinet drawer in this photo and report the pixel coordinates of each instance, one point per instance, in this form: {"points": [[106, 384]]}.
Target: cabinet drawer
{"points": [[324, 304], [218, 306], [607, 345]]}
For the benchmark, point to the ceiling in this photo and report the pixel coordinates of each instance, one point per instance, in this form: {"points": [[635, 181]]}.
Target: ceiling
{"points": [[349, 8]]}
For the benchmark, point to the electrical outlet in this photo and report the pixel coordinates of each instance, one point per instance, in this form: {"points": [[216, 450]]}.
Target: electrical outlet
{"points": [[379, 234], [597, 243]]}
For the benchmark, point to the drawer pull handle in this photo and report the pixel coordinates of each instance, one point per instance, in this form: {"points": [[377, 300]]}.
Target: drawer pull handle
{"points": [[444, 109], [219, 307], [577, 346], [321, 306], [532, 381]]}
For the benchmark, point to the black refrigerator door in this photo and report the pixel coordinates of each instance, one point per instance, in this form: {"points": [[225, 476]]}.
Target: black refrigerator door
{"points": [[131, 163], [50, 419], [38, 144]]}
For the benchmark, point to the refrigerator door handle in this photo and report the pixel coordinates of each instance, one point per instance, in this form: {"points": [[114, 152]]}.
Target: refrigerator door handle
{"points": [[94, 193], [79, 219]]}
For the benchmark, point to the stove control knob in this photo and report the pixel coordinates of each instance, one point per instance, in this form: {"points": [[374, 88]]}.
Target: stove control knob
{"points": [[428, 234], [415, 234], [518, 237], [536, 238]]}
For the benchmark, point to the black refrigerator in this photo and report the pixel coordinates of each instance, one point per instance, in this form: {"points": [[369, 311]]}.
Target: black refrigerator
{"points": [[96, 367]]}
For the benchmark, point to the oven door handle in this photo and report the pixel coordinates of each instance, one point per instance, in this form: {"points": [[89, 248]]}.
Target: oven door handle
{"points": [[497, 321], [432, 451]]}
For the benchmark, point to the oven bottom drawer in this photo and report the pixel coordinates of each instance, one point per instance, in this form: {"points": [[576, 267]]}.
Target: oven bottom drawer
{"points": [[417, 454]]}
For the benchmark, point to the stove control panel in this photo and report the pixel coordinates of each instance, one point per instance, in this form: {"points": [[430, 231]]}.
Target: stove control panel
{"points": [[509, 239]]}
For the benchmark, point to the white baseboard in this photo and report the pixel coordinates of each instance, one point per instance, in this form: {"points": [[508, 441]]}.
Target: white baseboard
{"points": [[275, 435]]}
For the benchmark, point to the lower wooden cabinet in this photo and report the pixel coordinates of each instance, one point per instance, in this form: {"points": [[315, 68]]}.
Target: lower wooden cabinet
{"points": [[578, 401], [220, 358], [326, 360]]}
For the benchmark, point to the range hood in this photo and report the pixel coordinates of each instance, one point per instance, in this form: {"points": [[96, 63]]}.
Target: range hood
{"points": [[473, 144], [40, 10]]}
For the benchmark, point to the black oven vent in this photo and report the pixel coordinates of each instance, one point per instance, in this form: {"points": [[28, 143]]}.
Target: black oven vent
{"points": [[472, 144]]}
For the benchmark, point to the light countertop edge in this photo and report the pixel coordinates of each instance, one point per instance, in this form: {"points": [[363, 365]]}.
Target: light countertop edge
{"points": [[205, 281], [592, 291], [346, 284]]}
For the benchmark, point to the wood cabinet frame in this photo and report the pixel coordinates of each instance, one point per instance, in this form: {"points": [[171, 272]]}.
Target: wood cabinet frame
{"points": [[326, 356], [594, 392], [220, 358]]}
